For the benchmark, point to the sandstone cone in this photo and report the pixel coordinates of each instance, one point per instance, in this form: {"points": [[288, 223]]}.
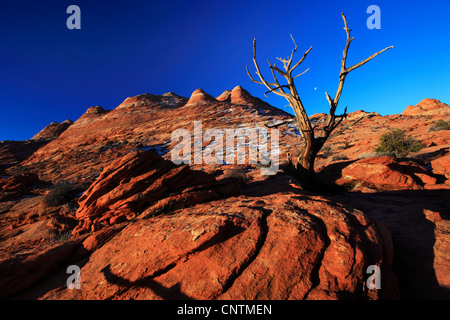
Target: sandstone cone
{"points": [[426, 107], [199, 96], [53, 130]]}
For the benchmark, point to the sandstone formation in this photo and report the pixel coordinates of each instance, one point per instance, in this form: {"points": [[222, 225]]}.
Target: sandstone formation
{"points": [[419, 225], [225, 96], [12, 188], [12, 153], [222, 249], [144, 228], [144, 121], [142, 183], [427, 107], [53, 130], [441, 165], [386, 173], [199, 96]]}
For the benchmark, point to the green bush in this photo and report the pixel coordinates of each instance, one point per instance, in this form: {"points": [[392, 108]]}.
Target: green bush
{"points": [[440, 125], [396, 143]]}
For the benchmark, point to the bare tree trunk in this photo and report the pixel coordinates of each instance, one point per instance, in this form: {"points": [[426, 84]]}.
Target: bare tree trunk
{"points": [[303, 166]]}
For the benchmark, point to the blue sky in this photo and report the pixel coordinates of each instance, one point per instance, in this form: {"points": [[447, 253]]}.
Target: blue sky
{"points": [[125, 48]]}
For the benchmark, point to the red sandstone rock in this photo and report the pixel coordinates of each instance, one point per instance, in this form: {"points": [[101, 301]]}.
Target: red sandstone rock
{"points": [[441, 165], [271, 247], [441, 249], [385, 173], [241, 96], [318, 116], [297, 226], [418, 222], [426, 107], [425, 178], [200, 96], [168, 99], [13, 153], [225, 96], [21, 271], [14, 187], [139, 180], [53, 130]]}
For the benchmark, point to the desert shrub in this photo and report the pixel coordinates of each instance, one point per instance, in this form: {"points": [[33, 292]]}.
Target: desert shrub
{"points": [[396, 143], [239, 174], [326, 152], [339, 157], [62, 193], [60, 236], [440, 125], [344, 146], [366, 155]]}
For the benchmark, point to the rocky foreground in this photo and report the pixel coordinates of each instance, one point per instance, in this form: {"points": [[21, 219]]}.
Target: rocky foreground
{"points": [[101, 193]]}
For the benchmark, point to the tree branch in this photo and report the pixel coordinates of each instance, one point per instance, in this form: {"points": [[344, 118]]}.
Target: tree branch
{"points": [[293, 51], [276, 88], [366, 60], [253, 80], [263, 81], [287, 62], [275, 77], [301, 60], [301, 73], [274, 67], [331, 118], [348, 126], [341, 118]]}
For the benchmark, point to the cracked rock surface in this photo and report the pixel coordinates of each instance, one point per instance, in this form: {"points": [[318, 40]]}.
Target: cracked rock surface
{"points": [[284, 246]]}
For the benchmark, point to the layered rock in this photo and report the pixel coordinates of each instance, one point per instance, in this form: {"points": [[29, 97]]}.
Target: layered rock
{"points": [[352, 116], [21, 271], [241, 96], [419, 224], [143, 183], [271, 247], [168, 99], [100, 136], [14, 187], [199, 96], [385, 173], [225, 96], [427, 107], [277, 241], [53, 130], [441, 165]]}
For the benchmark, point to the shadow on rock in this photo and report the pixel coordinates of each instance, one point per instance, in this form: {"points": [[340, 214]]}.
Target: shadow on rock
{"points": [[419, 224], [173, 292]]}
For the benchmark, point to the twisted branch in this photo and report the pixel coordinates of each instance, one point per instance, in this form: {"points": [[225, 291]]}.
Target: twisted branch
{"points": [[330, 121]]}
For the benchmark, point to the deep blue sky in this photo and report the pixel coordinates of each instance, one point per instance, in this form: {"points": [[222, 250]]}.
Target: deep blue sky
{"points": [[125, 48]]}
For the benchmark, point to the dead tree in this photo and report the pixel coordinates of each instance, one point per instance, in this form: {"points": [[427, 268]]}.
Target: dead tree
{"points": [[303, 165]]}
